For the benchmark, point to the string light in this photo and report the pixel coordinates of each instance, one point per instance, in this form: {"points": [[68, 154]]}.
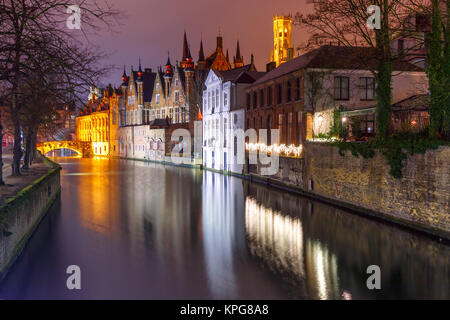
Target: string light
{"points": [[282, 149]]}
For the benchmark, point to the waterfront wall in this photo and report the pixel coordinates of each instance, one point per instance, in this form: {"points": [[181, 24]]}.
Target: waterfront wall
{"points": [[20, 215], [421, 199]]}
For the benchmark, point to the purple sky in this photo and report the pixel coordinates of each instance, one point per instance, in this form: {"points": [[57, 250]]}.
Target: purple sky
{"points": [[151, 28]]}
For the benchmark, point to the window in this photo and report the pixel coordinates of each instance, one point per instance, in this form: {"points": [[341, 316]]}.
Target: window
{"points": [[367, 88], [281, 127], [225, 99], [255, 99], [261, 98], [289, 91], [248, 101], [279, 93], [177, 96], [217, 98], [269, 96], [290, 128], [210, 100], [297, 88], [341, 88], [158, 99]]}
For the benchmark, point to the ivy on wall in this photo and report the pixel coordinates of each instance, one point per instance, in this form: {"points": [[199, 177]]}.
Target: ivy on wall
{"points": [[395, 148]]}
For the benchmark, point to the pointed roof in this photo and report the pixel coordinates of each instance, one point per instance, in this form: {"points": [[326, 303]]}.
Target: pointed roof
{"points": [[238, 52], [201, 53], [228, 56], [140, 67], [188, 56], [168, 59], [185, 48]]}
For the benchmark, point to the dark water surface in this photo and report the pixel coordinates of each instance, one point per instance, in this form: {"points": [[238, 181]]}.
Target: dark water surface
{"points": [[145, 231]]}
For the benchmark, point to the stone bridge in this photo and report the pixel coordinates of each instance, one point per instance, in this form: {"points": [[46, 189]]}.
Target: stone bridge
{"points": [[84, 149]]}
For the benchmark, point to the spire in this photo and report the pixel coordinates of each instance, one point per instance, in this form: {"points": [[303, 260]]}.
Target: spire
{"points": [[185, 47], [168, 72], [168, 59], [238, 51], [140, 73], [201, 53], [238, 59], [228, 57], [188, 56], [124, 72]]}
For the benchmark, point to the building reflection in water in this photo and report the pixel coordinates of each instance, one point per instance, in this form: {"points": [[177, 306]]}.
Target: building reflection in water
{"points": [[277, 239], [223, 232], [275, 236], [322, 252]]}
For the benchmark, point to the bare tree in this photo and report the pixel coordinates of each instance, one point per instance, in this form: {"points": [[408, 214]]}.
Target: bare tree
{"points": [[346, 22], [29, 27]]}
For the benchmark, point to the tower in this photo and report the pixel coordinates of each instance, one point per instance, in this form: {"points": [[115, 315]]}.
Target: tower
{"points": [[124, 82], [140, 94], [168, 74], [189, 76], [238, 60], [201, 63], [282, 41], [185, 52]]}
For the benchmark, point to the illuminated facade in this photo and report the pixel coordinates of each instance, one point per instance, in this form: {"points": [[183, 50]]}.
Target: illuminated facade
{"points": [[224, 115], [99, 121], [282, 39]]}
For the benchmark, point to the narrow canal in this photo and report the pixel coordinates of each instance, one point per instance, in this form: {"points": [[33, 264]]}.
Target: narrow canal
{"points": [[145, 231]]}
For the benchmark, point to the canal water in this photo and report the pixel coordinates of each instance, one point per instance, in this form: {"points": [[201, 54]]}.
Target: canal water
{"points": [[146, 231]]}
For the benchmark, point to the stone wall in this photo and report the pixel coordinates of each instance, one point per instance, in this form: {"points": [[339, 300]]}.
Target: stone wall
{"points": [[420, 199], [290, 171], [20, 215]]}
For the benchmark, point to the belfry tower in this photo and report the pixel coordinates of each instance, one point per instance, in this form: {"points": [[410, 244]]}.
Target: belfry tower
{"points": [[282, 41]]}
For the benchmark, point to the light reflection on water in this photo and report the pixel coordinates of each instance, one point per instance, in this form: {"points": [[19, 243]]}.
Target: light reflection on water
{"points": [[146, 231]]}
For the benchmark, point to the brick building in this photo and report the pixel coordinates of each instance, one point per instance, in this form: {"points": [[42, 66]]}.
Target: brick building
{"points": [[300, 96]]}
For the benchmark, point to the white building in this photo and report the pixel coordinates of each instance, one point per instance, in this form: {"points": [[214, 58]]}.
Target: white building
{"points": [[223, 115]]}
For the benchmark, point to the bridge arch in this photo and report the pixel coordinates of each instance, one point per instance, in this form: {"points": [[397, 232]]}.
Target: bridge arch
{"points": [[81, 148]]}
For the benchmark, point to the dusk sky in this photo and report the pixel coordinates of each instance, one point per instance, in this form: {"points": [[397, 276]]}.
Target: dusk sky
{"points": [[151, 28]]}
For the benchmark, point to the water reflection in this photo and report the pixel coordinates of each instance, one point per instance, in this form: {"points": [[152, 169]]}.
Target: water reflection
{"points": [[330, 258], [147, 231]]}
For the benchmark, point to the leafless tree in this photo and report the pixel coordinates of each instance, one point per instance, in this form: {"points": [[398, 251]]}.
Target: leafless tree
{"points": [[32, 28]]}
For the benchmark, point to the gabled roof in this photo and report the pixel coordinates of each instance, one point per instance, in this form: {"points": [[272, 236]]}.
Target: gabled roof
{"points": [[338, 58], [148, 80], [239, 75]]}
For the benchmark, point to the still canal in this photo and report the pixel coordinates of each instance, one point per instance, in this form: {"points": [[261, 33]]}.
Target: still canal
{"points": [[146, 231]]}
